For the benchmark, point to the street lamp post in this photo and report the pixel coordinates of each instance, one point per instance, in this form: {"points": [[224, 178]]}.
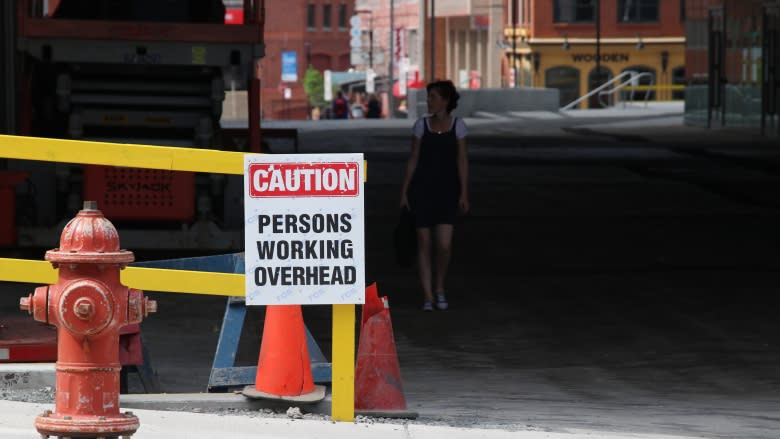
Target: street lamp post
{"points": [[598, 42], [514, 41], [390, 100], [432, 74]]}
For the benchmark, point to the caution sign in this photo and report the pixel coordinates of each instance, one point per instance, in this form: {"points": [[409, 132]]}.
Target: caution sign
{"points": [[304, 229]]}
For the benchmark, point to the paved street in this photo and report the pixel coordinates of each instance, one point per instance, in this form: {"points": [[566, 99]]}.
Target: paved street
{"points": [[618, 274]]}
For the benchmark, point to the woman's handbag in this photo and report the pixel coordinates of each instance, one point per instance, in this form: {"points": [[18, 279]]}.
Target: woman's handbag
{"points": [[405, 239]]}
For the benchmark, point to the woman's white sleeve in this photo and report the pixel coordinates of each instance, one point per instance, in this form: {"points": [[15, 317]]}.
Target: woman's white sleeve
{"points": [[460, 128], [418, 130]]}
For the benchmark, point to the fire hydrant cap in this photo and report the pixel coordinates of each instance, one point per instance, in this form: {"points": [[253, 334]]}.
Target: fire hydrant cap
{"points": [[89, 238]]}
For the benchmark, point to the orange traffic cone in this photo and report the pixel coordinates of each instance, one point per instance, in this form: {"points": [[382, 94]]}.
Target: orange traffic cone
{"points": [[378, 388], [283, 369]]}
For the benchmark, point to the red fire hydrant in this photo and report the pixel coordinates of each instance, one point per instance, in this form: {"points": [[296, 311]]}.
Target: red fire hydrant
{"points": [[89, 305]]}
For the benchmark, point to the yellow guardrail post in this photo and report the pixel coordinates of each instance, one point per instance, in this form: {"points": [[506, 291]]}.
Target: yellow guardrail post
{"points": [[343, 381], [173, 281]]}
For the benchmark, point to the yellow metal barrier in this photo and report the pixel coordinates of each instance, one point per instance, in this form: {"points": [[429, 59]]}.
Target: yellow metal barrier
{"points": [[180, 281], [147, 279], [122, 154]]}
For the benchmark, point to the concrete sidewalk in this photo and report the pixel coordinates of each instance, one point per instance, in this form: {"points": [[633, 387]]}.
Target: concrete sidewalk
{"points": [[17, 422]]}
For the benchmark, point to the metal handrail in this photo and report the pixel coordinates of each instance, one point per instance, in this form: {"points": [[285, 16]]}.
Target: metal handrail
{"points": [[599, 88]]}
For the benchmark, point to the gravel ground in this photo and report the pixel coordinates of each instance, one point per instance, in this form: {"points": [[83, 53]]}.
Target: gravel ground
{"points": [[45, 395]]}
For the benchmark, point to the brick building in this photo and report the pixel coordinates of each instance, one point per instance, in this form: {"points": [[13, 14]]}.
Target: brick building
{"points": [[307, 32]]}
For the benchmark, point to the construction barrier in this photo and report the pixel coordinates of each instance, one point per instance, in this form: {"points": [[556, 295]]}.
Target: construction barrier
{"points": [[174, 281]]}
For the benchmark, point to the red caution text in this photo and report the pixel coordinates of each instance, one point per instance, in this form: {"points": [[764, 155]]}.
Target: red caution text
{"points": [[303, 180]]}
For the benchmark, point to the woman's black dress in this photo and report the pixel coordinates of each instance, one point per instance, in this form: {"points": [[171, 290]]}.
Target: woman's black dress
{"points": [[435, 188]]}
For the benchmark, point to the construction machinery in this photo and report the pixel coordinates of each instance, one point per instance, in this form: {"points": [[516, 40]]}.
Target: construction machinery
{"points": [[142, 72]]}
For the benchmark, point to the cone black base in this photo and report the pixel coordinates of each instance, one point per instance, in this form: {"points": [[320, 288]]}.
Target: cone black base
{"points": [[317, 395]]}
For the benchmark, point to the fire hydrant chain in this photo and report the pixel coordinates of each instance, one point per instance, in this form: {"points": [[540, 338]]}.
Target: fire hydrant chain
{"points": [[89, 306]]}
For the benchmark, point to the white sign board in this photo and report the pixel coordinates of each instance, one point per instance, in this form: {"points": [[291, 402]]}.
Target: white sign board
{"points": [[289, 66], [304, 229]]}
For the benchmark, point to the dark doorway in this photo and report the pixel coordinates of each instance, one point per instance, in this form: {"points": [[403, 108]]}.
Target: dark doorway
{"points": [[566, 80]]}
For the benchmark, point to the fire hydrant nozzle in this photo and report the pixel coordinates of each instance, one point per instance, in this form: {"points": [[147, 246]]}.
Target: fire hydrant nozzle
{"points": [[150, 306], [25, 304], [89, 306]]}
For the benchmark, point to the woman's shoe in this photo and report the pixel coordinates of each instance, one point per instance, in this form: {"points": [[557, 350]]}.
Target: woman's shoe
{"points": [[427, 306], [441, 301]]}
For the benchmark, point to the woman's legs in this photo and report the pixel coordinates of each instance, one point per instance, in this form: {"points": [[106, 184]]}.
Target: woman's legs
{"points": [[424, 261], [443, 251]]}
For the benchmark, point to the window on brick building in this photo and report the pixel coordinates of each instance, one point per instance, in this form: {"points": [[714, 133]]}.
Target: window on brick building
{"points": [[311, 17], [634, 11], [326, 13], [574, 11], [342, 16]]}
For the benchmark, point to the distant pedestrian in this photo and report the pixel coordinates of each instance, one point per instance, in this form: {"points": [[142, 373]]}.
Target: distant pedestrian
{"points": [[435, 187], [373, 109], [340, 106]]}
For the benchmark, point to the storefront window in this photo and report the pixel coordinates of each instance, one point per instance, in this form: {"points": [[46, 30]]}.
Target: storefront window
{"points": [[574, 11], [633, 11], [566, 80]]}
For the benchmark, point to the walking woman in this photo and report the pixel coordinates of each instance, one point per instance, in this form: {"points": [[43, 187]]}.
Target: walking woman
{"points": [[435, 187]]}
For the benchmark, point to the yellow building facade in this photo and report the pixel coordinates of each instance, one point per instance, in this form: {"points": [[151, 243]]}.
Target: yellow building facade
{"points": [[633, 49], [570, 66]]}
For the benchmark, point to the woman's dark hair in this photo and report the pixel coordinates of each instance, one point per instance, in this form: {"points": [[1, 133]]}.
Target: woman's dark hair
{"points": [[447, 90]]}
